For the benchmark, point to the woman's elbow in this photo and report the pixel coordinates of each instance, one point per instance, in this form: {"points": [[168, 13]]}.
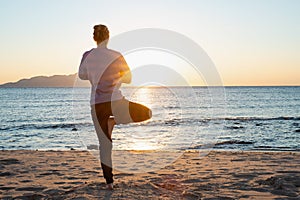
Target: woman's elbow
{"points": [[128, 78], [83, 76], [125, 77]]}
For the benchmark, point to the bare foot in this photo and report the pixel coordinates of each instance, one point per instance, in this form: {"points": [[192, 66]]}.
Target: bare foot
{"points": [[110, 124], [110, 186]]}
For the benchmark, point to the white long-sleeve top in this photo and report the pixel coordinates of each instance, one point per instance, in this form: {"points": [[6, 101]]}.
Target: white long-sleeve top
{"points": [[104, 68]]}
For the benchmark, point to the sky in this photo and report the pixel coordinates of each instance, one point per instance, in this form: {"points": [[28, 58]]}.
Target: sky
{"points": [[251, 42]]}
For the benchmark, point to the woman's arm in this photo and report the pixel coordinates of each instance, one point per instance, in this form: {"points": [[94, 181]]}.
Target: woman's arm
{"points": [[125, 73], [82, 72]]}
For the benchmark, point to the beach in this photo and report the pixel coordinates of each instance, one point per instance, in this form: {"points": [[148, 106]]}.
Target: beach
{"points": [[74, 174]]}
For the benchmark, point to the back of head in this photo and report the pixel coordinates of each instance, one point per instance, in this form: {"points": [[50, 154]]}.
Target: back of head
{"points": [[101, 33]]}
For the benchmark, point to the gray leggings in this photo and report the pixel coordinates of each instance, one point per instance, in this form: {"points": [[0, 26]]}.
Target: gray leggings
{"points": [[123, 112]]}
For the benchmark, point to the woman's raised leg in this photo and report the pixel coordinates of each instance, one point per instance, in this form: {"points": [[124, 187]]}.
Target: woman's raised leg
{"points": [[110, 126]]}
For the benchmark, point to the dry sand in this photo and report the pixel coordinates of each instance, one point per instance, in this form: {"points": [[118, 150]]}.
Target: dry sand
{"points": [[218, 175]]}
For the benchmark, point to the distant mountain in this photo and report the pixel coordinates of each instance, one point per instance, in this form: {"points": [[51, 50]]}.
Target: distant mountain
{"points": [[49, 81]]}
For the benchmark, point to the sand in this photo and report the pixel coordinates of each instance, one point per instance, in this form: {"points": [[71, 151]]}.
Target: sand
{"points": [[219, 175]]}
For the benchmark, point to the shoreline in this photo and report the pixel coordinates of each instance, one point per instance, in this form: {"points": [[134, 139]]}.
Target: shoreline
{"points": [[160, 150], [30, 174]]}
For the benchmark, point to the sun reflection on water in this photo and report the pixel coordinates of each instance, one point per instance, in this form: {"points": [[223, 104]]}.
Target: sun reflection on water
{"points": [[158, 132], [143, 95], [142, 145]]}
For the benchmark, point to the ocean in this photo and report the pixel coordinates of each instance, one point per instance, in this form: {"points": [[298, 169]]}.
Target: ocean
{"points": [[184, 118]]}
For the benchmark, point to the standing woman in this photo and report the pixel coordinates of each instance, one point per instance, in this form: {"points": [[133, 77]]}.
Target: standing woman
{"points": [[106, 70]]}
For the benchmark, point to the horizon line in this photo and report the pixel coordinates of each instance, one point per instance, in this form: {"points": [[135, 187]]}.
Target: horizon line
{"points": [[171, 86], [72, 74]]}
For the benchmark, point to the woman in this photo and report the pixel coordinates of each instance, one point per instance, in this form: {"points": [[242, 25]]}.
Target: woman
{"points": [[106, 70]]}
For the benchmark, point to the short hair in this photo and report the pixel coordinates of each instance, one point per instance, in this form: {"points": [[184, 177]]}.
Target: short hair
{"points": [[101, 33]]}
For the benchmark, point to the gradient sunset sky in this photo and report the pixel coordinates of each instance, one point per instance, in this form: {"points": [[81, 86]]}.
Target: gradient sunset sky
{"points": [[251, 42]]}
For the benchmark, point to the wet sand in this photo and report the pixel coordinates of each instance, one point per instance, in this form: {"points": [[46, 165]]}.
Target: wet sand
{"points": [[219, 175]]}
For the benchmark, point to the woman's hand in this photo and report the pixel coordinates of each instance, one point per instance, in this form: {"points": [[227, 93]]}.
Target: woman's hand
{"points": [[125, 76]]}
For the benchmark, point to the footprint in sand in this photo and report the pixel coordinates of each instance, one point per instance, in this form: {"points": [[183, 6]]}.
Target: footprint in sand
{"points": [[32, 188], [49, 173], [76, 182], [25, 181], [59, 183], [53, 191], [9, 161], [6, 174], [7, 188], [30, 196]]}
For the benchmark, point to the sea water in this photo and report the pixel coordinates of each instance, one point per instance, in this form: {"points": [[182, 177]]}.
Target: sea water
{"points": [[239, 118]]}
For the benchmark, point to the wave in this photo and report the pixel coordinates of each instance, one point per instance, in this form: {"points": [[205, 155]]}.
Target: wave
{"points": [[254, 118], [235, 127], [236, 121], [232, 119], [275, 148], [245, 119], [170, 122], [243, 145], [219, 144], [232, 142], [71, 126]]}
